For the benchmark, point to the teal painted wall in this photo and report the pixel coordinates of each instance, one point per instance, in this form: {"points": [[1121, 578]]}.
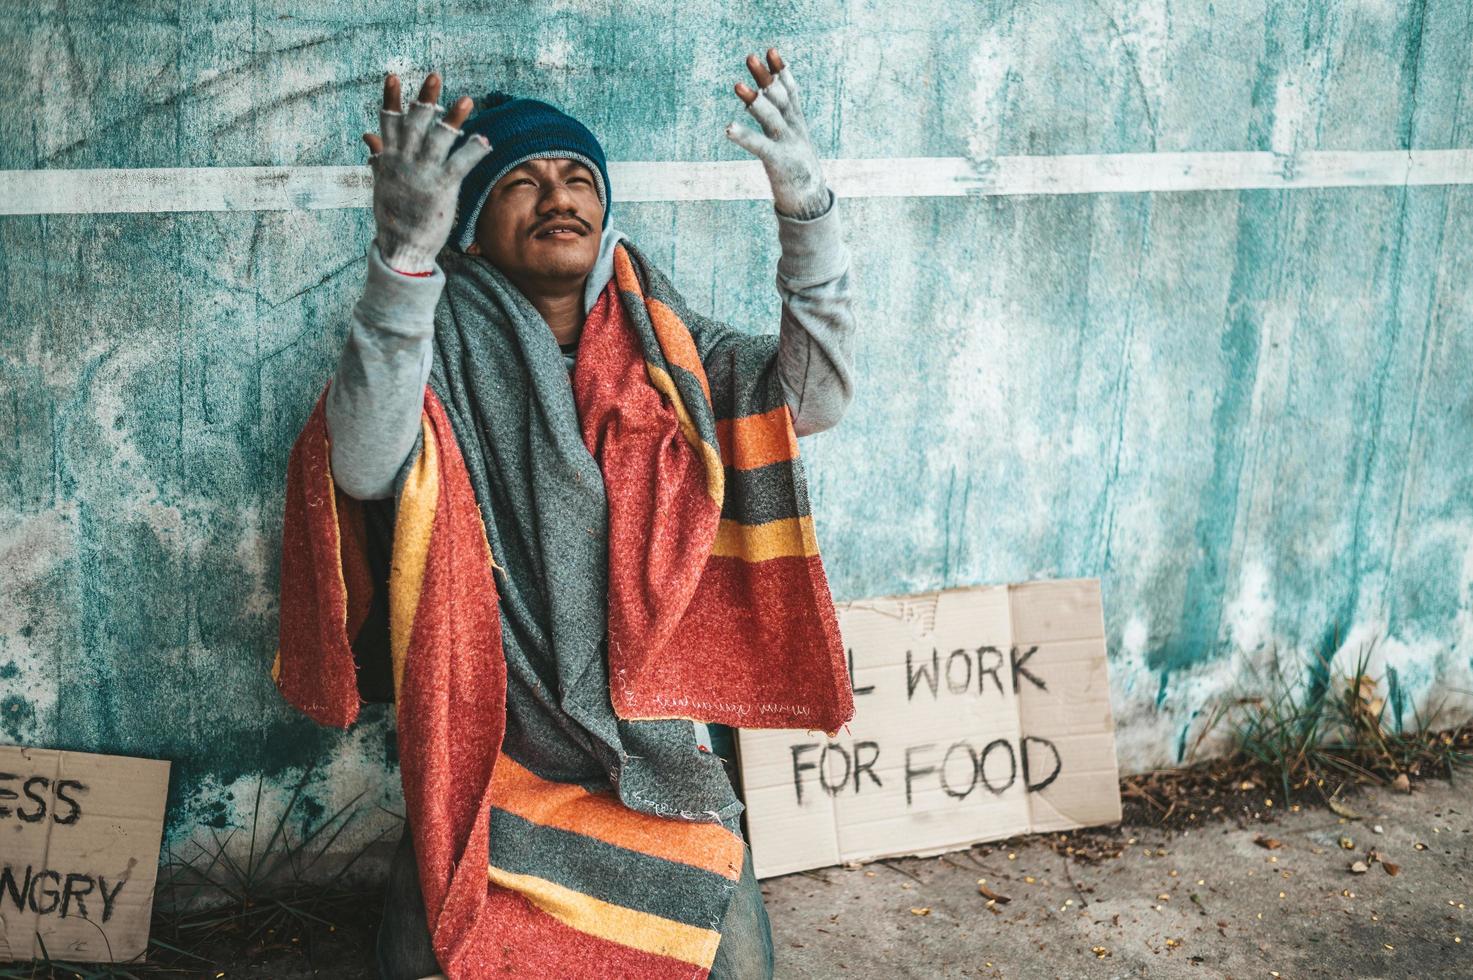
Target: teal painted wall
{"points": [[1248, 413]]}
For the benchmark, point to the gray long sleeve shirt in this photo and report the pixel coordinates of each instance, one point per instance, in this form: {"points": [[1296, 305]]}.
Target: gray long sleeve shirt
{"points": [[373, 407]]}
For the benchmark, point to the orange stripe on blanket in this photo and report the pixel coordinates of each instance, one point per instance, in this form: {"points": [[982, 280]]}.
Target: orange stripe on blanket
{"points": [[791, 537], [676, 342], [757, 440], [614, 923], [624, 274], [570, 807]]}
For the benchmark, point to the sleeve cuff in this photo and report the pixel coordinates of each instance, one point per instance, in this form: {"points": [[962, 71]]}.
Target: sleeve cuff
{"points": [[812, 248], [399, 302]]}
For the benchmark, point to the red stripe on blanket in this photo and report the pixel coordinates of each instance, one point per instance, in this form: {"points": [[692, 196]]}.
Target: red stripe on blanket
{"points": [[767, 676], [452, 709], [354, 552], [662, 520], [315, 668]]}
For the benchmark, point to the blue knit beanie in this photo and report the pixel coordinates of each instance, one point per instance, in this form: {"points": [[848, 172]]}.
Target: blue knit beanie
{"points": [[520, 130]]}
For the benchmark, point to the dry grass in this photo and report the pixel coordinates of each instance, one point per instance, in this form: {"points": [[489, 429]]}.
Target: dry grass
{"points": [[1301, 739], [210, 904]]}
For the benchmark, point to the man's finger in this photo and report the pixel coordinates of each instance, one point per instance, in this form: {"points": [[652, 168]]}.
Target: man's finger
{"points": [[375, 145], [417, 122], [774, 61], [430, 90], [472, 152], [789, 85], [777, 94], [767, 115], [459, 112], [749, 139], [392, 100], [389, 121], [759, 71], [437, 142]]}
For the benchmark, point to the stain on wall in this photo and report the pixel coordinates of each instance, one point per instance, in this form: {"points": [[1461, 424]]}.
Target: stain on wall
{"points": [[1246, 412]]}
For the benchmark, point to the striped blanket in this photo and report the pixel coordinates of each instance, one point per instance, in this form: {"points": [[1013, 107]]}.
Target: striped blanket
{"points": [[576, 574]]}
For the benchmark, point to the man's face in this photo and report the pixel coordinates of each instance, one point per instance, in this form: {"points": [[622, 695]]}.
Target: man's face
{"points": [[541, 223]]}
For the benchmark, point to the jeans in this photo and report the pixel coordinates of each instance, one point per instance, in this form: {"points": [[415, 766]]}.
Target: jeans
{"points": [[745, 952], [406, 953]]}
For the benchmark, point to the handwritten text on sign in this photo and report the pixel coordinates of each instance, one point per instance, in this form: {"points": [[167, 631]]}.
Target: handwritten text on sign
{"points": [[980, 713], [79, 851]]}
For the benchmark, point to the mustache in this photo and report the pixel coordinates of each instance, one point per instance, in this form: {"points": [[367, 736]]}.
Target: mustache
{"points": [[562, 220]]}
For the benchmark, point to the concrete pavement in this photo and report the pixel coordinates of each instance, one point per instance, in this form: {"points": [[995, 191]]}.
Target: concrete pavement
{"points": [[1208, 902]]}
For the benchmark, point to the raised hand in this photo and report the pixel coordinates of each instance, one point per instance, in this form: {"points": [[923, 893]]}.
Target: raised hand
{"points": [[783, 146], [415, 183]]}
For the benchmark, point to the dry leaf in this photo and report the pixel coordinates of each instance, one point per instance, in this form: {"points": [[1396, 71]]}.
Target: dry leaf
{"points": [[1346, 844], [1343, 810], [991, 895], [920, 911], [1359, 868], [1401, 783], [1268, 843], [1392, 869], [1099, 951]]}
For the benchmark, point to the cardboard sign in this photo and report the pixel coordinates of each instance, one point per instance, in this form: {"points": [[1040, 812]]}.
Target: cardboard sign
{"points": [[979, 714], [79, 852]]}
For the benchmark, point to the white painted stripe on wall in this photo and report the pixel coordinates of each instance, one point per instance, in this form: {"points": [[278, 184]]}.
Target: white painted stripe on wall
{"points": [[317, 188]]}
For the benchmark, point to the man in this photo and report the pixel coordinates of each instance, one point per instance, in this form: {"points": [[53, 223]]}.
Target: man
{"points": [[596, 540]]}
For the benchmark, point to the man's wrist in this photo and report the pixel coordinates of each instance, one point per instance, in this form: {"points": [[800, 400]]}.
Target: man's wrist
{"points": [[398, 303], [812, 249], [406, 258], [814, 205]]}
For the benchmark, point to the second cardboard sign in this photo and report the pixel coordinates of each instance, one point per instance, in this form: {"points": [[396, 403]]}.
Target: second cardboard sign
{"points": [[980, 714]]}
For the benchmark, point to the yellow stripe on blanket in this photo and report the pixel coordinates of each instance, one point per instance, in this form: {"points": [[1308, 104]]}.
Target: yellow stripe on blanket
{"points": [[614, 923], [791, 537], [710, 457], [412, 526]]}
